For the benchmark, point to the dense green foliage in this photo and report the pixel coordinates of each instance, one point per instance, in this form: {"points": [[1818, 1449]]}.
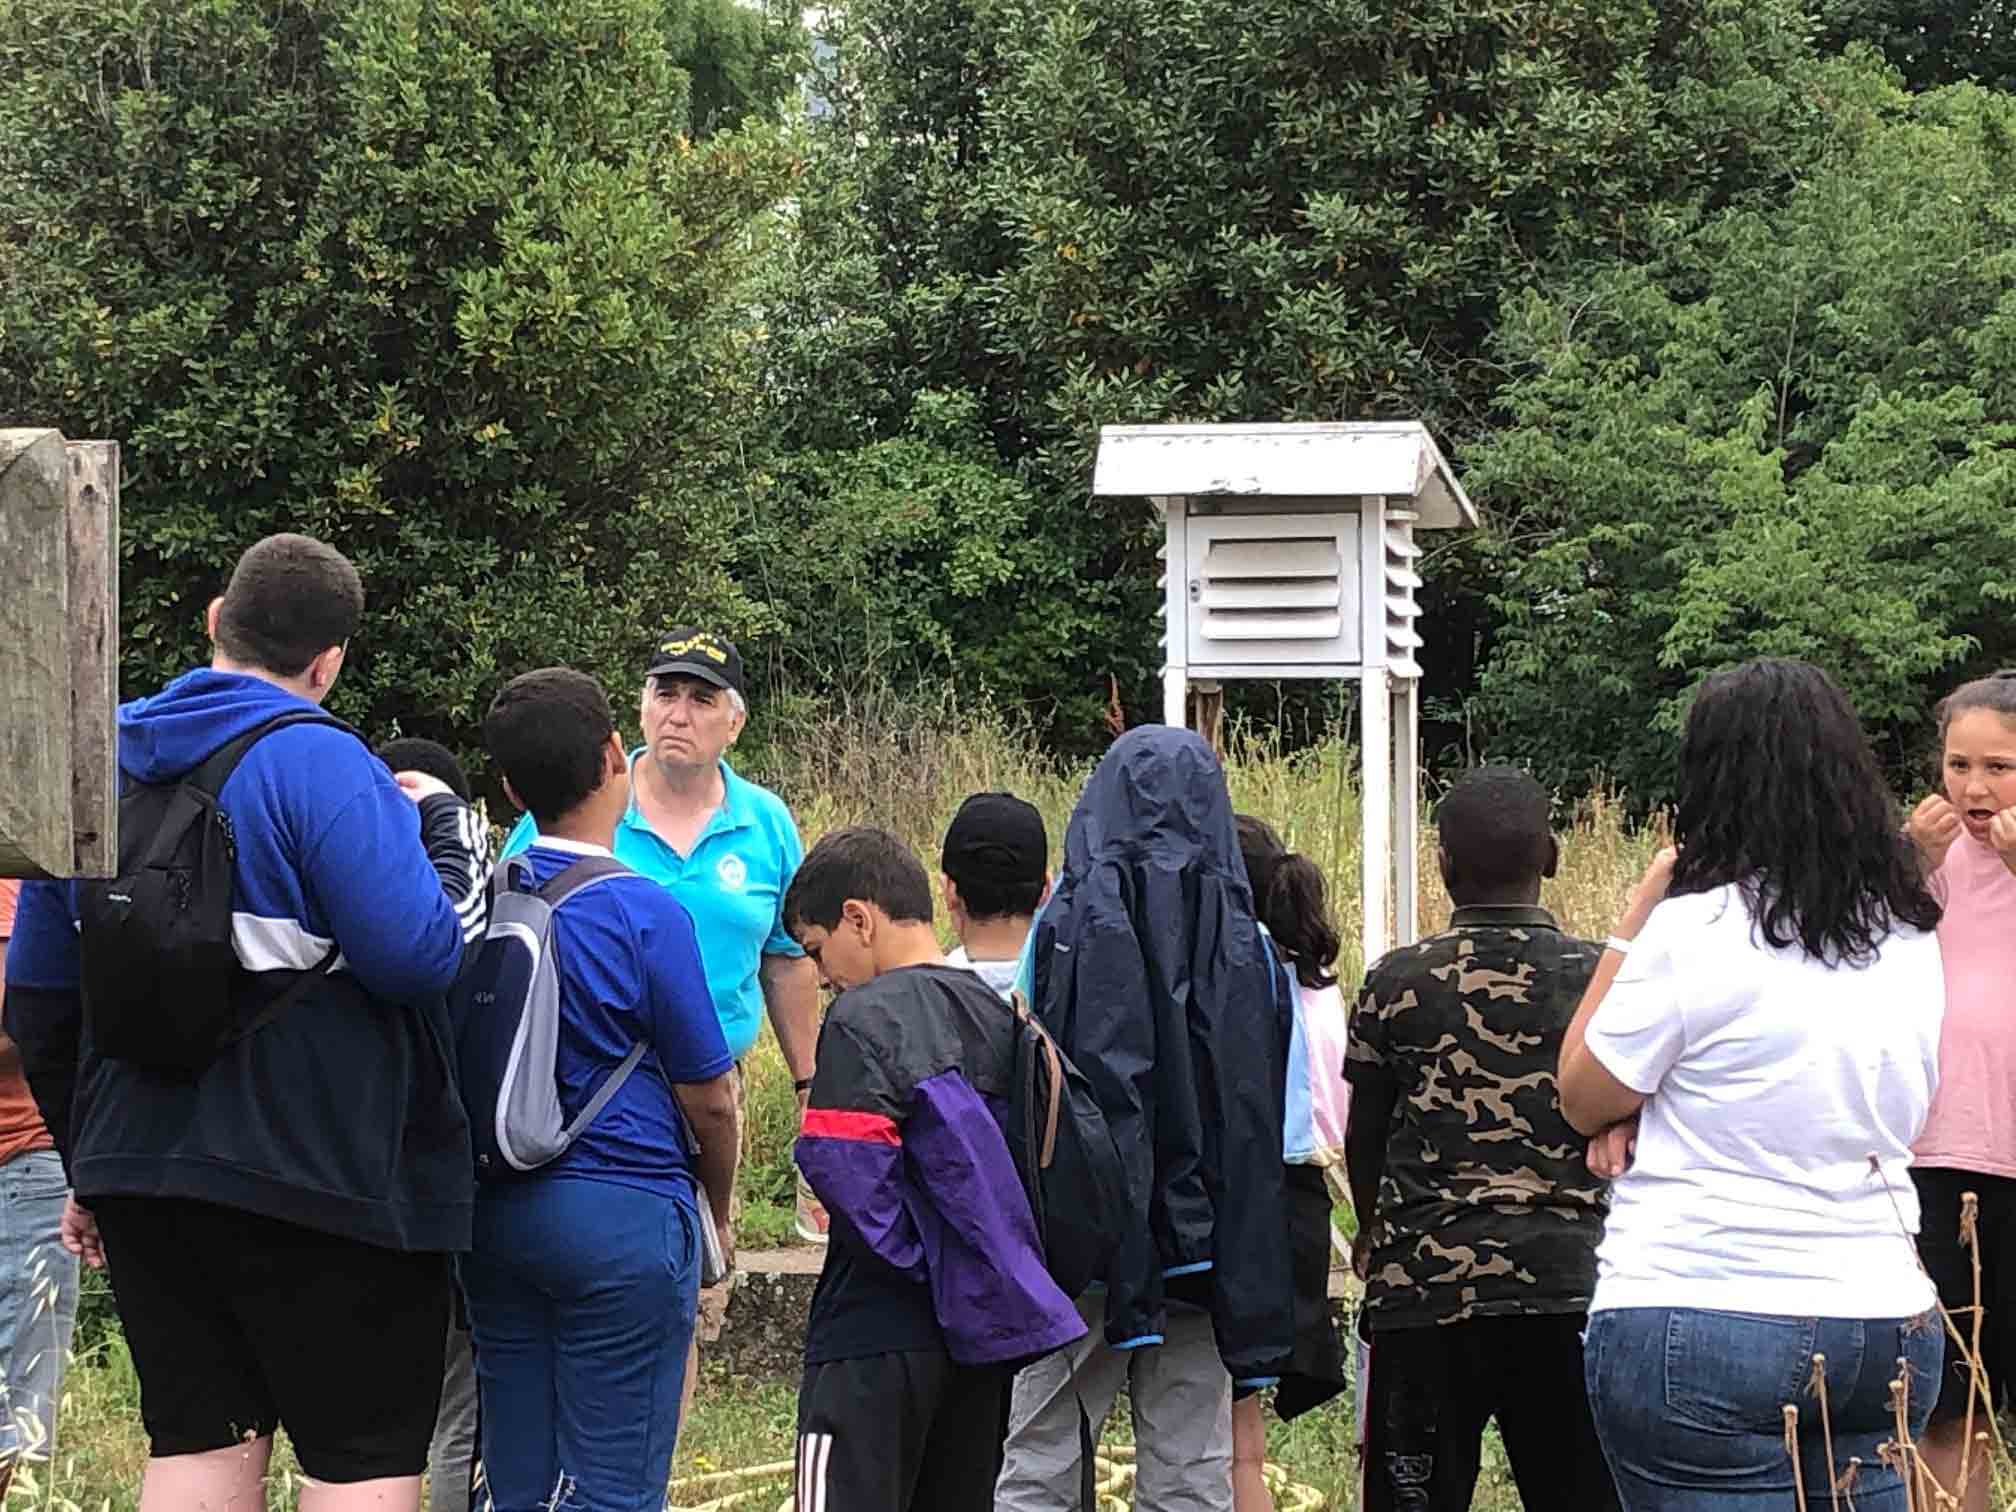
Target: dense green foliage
{"points": [[1793, 433], [1082, 211], [546, 312], [448, 284], [1930, 42], [742, 60]]}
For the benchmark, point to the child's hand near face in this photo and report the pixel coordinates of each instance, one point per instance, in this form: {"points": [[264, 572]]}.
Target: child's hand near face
{"points": [[1934, 826], [2002, 835]]}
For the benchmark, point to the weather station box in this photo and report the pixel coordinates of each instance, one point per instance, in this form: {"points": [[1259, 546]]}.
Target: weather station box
{"points": [[1289, 552]]}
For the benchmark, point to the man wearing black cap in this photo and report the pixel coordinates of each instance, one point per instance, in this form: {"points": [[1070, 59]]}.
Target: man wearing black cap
{"points": [[727, 850], [995, 863]]}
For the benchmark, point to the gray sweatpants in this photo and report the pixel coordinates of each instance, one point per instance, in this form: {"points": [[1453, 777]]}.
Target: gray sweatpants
{"points": [[1182, 1401], [452, 1458]]}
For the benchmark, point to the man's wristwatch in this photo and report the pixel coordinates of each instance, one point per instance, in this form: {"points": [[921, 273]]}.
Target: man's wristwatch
{"points": [[803, 1084]]}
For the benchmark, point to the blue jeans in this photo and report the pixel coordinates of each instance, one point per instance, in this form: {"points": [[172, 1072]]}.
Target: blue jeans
{"points": [[581, 1298], [1690, 1404], [38, 1304]]}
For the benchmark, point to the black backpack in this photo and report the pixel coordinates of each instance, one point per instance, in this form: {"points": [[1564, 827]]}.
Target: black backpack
{"points": [[1067, 1158], [160, 980]]}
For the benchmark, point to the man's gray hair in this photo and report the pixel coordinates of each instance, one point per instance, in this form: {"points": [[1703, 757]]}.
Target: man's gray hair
{"points": [[735, 700]]}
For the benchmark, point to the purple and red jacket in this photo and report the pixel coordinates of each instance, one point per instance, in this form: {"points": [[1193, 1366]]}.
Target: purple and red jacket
{"points": [[902, 1141]]}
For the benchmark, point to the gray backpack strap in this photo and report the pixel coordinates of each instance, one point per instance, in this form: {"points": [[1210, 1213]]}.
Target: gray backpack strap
{"points": [[611, 1085], [513, 874], [582, 873], [586, 873]]}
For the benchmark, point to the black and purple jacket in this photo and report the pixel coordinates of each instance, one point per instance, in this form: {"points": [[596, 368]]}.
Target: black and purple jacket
{"points": [[902, 1141]]}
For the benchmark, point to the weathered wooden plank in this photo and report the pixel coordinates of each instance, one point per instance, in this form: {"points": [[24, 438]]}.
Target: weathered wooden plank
{"points": [[94, 656], [35, 733]]}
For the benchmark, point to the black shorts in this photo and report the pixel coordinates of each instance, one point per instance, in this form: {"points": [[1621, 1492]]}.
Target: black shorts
{"points": [[903, 1432], [239, 1324], [1434, 1388], [1316, 1373], [1951, 1266]]}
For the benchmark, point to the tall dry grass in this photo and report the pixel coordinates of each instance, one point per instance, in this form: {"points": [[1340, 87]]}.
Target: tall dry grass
{"points": [[873, 764]]}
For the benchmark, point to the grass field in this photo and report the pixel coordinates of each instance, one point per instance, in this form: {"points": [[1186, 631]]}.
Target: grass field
{"points": [[736, 1426], [910, 777]]}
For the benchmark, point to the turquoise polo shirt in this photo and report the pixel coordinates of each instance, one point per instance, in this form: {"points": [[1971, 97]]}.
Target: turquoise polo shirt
{"points": [[733, 885]]}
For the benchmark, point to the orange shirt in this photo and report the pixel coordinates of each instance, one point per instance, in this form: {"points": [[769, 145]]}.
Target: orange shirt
{"points": [[21, 1128]]}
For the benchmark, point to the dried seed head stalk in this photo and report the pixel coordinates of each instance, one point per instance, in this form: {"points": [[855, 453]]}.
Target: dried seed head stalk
{"points": [[1817, 1385], [1970, 1208], [1909, 1467], [1977, 1385]]}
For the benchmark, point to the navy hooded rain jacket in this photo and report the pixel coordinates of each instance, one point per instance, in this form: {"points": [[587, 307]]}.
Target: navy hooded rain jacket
{"points": [[1150, 970]]}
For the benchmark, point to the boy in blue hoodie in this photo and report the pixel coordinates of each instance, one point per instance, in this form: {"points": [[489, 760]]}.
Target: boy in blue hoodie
{"points": [[277, 1223]]}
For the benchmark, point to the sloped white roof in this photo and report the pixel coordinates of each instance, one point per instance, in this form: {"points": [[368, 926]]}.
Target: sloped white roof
{"points": [[1322, 459]]}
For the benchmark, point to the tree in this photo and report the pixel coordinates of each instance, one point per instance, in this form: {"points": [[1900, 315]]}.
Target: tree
{"points": [[914, 561], [446, 284], [743, 61], [1791, 436], [1085, 211], [1930, 42]]}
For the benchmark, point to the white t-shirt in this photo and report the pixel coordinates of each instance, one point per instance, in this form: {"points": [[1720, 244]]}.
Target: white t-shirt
{"points": [[1000, 975], [1772, 1080]]}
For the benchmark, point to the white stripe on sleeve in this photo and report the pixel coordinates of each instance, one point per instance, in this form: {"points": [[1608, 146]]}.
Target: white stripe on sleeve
{"points": [[264, 944]]}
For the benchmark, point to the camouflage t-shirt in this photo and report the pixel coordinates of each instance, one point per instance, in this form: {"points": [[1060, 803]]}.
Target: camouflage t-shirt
{"points": [[1486, 1207]]}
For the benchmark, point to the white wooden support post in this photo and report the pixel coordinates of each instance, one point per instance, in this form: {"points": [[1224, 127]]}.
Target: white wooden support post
{"points": [[1406, 810], [1376, 800], [1375, 718], [1176, 613]]}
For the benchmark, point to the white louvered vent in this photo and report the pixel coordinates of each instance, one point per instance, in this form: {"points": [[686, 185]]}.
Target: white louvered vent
{"points": [[1287, 589], [1403, 587], [1273, 588]]}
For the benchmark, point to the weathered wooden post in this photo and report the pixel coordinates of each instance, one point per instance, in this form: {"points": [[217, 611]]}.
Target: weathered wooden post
{"points": [[59, 643], [1207, 713]]}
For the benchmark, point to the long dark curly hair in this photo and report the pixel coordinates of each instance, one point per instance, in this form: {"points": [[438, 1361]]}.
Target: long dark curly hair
{"points": [[1780, 795]]}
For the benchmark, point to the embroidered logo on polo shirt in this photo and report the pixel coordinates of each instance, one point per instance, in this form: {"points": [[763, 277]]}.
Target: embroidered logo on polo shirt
{"points": [[732, 871]]}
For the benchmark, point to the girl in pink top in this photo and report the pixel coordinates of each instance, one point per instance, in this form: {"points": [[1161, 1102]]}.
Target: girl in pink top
{"points": [[1967, 834]]}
